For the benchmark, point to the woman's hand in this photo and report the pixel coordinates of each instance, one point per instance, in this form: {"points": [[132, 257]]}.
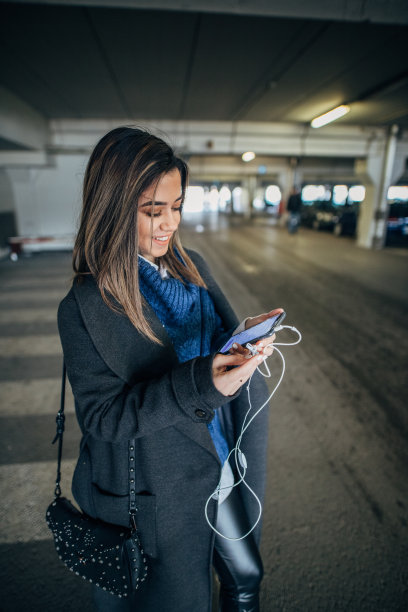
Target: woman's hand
{"points": [[262, 317], [242, 365], [240, 361]]}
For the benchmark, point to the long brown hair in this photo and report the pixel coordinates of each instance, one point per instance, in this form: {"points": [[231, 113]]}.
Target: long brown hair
{"points": [[124, 163]]}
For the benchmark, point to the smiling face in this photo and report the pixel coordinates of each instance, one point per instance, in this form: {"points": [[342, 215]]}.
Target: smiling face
{"points": [[156, 227]]}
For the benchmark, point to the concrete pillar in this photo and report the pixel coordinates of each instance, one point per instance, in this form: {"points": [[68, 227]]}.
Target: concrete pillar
{"points": [[376, 174], [290, 177], [286, 183], [8, 225], [27, 216], [400, 169], [250, 183]]}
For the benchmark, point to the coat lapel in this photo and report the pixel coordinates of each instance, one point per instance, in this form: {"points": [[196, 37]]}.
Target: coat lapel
{"points": [[122, 347], [128, 353]]}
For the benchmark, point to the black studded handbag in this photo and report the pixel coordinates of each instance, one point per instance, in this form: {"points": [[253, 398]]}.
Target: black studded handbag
{"points": [[109, 556]]}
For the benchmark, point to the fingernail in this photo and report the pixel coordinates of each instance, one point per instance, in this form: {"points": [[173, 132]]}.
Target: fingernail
{"points": [[235, 345], [260, 344]]}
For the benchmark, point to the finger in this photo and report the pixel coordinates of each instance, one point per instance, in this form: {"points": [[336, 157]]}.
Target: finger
{"points": [[251, 321], [242, 372], [229, 381], [260, 345], [270, 340], [238, 348], [274, 312], [231, 359], [262, 317]]}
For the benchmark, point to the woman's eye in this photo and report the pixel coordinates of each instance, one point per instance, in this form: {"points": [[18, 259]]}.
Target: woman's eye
{"points": [[150, 213], [157, 213]]}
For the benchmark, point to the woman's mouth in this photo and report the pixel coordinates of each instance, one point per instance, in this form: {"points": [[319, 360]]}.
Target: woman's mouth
{"points": [[161, 239]]}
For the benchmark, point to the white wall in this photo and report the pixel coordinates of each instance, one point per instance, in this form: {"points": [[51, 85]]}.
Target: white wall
{"points": [[20, 123], [6, 192], [48, 200]]}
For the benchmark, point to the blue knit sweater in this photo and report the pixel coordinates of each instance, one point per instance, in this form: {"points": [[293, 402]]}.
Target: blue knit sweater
{"points": [[187, 312]]}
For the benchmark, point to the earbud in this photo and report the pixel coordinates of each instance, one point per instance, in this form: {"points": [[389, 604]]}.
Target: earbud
{"points": [[242, 459], [252, 349]]}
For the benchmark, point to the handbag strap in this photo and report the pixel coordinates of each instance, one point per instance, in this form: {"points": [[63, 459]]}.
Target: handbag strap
{"points": [[132, 491], [60, 420]]}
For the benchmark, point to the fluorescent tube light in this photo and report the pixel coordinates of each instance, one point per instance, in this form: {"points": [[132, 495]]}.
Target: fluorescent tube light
{"points": [[332, 115], [248, 156]]}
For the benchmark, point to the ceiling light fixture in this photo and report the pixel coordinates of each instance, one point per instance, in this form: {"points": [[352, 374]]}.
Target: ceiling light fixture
{"points": [[248, 156], [332, 115]]}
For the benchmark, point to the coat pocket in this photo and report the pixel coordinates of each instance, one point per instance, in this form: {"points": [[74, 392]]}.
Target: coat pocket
{"points": [[115, 509]]}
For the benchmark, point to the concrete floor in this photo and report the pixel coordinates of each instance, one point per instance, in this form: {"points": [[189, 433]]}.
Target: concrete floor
{"points": [[336, 511]]}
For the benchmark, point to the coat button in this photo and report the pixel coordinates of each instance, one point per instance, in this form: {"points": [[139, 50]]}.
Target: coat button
{"points": [[200, 413]]}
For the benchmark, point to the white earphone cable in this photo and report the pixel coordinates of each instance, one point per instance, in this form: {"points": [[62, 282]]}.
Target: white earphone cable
{"points": [[240, 459]]}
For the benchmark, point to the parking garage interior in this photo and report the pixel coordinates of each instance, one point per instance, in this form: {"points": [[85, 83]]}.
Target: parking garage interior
{"points": [[234, 87]]}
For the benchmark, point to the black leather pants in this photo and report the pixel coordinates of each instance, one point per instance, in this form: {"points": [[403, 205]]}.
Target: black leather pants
{"points": [[238, 564]]}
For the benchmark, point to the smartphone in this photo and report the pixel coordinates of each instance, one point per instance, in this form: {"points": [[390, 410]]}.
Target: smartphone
{"points": [[255, 333]]}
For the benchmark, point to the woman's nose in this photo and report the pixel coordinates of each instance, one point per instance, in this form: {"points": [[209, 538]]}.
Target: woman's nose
{"points": [[170, 220]]}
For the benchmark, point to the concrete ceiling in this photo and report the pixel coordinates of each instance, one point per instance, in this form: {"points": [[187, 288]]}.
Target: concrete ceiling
{"points": [[79, 60]]}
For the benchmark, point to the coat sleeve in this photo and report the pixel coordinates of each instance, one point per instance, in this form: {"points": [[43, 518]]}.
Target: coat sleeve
{"points": [[110, 409]]}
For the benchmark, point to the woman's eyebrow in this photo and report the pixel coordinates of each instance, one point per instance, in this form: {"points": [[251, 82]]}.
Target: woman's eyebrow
{"points": [[150, 203]]}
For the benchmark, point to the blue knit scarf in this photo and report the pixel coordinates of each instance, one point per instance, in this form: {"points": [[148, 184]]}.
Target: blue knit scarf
{"points": [[188, 315]]}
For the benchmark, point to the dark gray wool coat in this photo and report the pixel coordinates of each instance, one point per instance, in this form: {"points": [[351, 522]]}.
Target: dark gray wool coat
{"points": [[129, 388]]}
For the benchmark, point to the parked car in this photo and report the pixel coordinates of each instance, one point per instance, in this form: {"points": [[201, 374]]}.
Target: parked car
{"points": [[342, 219], [319, 215], [345, 223], [397, 224]]}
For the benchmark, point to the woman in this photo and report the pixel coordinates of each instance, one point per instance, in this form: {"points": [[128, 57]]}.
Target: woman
{"points": [[140, 329]]}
